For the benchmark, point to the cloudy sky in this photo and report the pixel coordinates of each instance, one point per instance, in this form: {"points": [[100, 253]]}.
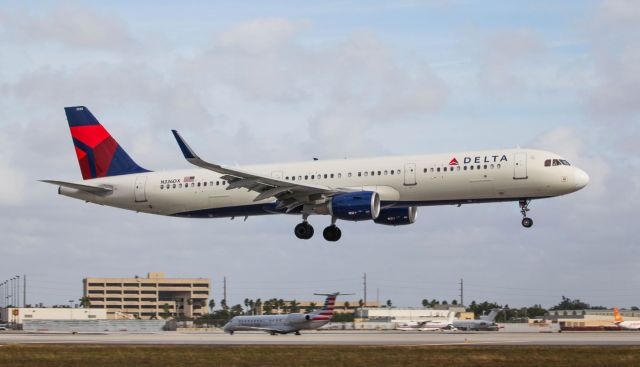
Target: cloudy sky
{"points": [[256, 82]]}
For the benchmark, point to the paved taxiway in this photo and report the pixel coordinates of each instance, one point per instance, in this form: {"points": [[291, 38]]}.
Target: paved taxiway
{"points": [[330, 338]]}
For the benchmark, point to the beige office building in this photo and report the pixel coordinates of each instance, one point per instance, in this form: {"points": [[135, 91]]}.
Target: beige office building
{"points": [[146, 297]]}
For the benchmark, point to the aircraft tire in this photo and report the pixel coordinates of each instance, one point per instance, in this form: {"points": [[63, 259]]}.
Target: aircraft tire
{"points": [[332, 233], [527, 222], [303, 231]]}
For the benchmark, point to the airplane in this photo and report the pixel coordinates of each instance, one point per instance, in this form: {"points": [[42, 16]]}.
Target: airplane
{"points": [[285, 324], [385, 190], [630, 325], [485, 322], [429, 325]]}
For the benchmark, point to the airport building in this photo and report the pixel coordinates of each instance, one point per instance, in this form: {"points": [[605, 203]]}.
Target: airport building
{"points": [[393, 314], [587, 318], [149, 298], [19, 315]]}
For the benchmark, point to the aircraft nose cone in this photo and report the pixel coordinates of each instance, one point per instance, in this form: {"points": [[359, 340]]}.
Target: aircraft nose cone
{"points": [[581, 178]]}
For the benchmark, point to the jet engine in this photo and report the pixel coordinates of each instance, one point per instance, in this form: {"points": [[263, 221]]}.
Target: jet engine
{"points": [[298, 317], [355, 206], [397, 216]]}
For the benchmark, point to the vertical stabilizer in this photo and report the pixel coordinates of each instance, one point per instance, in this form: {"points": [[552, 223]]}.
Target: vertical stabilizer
{"points": [[99, 154], [616, 315]]}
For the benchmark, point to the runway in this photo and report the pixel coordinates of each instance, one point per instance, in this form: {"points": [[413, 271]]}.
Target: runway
{"points": [[370, 338]]}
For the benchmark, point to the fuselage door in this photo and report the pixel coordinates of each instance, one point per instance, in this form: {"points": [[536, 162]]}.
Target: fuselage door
{"points": [[409, 174], [520, 166], [139, 190], [277, 175]]}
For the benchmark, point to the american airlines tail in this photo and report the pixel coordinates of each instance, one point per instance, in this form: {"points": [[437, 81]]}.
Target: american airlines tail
{"points": [[99, 154], [326, 312]]}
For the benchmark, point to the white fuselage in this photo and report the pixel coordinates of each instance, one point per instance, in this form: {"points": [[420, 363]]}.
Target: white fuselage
{"points": [[484, 176], [274, 323], [630, 325]]}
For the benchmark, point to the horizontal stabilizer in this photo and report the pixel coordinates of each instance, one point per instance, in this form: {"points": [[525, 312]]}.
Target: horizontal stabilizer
{"points": [[92, 189]]}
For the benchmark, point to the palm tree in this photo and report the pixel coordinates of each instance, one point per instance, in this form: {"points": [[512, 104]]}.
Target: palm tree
{"points": [[361, 303], [166, 313], [85, 302], [346, 305], [389, 304], [425, 302], [293, 307], [212, 304]]}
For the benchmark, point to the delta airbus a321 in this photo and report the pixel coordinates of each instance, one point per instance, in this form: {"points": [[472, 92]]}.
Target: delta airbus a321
{"points": [[385, 190]]}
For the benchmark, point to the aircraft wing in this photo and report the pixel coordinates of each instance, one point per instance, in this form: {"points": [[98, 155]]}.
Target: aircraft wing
{"points": [[289, 194]]}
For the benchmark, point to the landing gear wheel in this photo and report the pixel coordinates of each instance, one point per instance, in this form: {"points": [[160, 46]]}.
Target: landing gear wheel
{"points": [[332, 233], [524, 208], [304, 231], [297, 333]]}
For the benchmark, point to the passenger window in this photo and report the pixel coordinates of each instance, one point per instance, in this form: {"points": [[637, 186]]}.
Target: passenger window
{"points": [[366, 173], [313, 176], [287, 178], [392, 172], [179, 186], [547, 163], [339, 175], [293, 178], [498, 165], [359, 174], [386, 172], [379, 173], [457, 168], [485, 166], [349, 174], [398, 171], [438, 169], [210, 183], [224, 183], [161, 187], [174, 186], [198, 184], [299, 178], [325, 175], [306, 177], [471, 168], [478, 167], [431, 169], [373, 173], [492, 166], [465, 168]]}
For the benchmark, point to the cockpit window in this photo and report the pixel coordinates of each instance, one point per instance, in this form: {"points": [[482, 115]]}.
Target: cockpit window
{"points": [[556, 162], [565, 162], [547, 163]]}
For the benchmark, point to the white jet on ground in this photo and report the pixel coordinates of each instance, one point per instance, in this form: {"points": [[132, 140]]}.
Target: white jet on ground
{"points": [[285, 324], [485, 322], [385, 190], [619, 320], [428, 325]]}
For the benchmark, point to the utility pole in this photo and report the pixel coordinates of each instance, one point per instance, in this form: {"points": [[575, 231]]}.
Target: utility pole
{"points": [[18, 290], [224, 285], [24, 291], [378, 296], [365, 289], [461, 292]]}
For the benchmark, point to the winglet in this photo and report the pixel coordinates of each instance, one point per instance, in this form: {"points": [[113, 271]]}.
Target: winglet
{"points": [[184, 147]]}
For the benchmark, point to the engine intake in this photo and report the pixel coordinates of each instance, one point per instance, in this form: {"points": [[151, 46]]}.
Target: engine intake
{"points": [[355, 206], [397, 216]]}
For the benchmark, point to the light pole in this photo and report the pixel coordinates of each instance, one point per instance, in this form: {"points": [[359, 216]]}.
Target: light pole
{"points": [[18, 291]]}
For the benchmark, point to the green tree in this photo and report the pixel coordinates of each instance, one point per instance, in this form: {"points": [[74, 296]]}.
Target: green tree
{"points": [[212, 304], [389, 304], [85, 302], [570, 304], [166, 311], [361, 303], [224, 305], [454, 302], [294, 306], [425, 303], [346, 305], [268, 307]]}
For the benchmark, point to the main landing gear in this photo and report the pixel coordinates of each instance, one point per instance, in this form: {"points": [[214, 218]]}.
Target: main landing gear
{"points": [[304, 230], [524, 208]]}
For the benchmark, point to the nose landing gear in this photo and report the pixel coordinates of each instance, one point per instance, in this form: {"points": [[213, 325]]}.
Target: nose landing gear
{"points": [[524, 208]]}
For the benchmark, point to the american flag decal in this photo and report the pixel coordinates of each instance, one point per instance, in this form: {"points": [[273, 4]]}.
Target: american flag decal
{"points": [[189, 178]]}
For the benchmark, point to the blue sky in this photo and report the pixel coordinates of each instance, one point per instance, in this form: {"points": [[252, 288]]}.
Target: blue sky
{"points": [[249, 82]]}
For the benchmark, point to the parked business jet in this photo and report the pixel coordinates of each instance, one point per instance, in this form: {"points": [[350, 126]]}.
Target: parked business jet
{"points": [[428, 325], [631, 325], [485, 322], [385, 190], [284, 324]]}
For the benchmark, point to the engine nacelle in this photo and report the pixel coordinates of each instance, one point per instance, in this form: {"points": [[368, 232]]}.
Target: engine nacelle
{"points": [[298, 318], [355, 206], [397, 216]]}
